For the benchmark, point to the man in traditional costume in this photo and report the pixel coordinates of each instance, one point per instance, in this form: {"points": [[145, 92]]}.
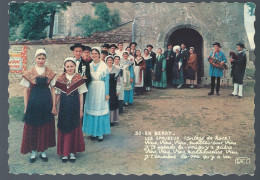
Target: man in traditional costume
{"points": [[215, 72], [113, 48], [238, 70]]}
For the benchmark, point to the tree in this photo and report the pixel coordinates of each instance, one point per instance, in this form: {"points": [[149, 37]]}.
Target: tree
{"points": [[33, 18], [55, 7], [105, 20]]}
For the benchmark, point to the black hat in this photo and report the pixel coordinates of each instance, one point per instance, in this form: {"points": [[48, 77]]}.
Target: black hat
{"points": [[77, 45], [149, 45], [106, 45], [87, 48], [241, 45], [133, 43], [104, 52], [216, 43], [113, 45]]}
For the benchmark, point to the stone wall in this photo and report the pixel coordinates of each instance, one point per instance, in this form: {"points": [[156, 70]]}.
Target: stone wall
{"points": [[58, 49], [56, 54], [68, 19], [222, 22]]}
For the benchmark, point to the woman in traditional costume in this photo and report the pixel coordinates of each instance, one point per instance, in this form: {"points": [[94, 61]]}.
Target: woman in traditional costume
{"points": [[160, 80], [139, 70], [148, 70], [96, 120], [130, 57], [39, 109], [178, 77], [191, 69], [121, 94], [114, 90], [70, 87], [128, 74]]}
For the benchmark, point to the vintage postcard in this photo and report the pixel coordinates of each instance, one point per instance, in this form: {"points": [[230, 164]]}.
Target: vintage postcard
{"points": [[131, 88]]}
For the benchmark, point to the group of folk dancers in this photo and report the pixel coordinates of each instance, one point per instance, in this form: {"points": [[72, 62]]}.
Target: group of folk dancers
{"points": [[95, 85]]}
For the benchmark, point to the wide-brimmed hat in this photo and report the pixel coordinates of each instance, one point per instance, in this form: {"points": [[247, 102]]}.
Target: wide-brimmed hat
{"points": [[105, 45], [149, 45], [132, 43], [113, 45], [241, 45], [216, 43], [104, 52], [40, 51], [77, 45], [87, 48]]}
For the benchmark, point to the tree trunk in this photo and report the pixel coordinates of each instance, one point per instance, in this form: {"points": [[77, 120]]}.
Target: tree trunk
{"points": [[52, 16]]}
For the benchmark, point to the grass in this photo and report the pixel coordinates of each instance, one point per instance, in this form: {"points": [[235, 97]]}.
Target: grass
{"points": [[16, 108]]}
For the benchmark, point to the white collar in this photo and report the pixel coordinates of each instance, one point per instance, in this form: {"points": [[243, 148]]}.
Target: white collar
{"points": [[40, 70], [69, 77]]}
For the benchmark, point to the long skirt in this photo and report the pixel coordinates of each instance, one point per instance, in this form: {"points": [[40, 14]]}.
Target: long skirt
{"points": [[38, 138], [194, 82], [129, 95], [71, 142], [114, 115], [96, 125], [163, 82], [121, 106], [178, 77], [148, 78]]}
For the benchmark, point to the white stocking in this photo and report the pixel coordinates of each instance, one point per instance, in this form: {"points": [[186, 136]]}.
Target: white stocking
{"points": [[235, 89]]}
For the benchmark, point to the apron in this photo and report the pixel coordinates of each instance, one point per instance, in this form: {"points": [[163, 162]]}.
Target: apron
{"points": [[96, 103]]}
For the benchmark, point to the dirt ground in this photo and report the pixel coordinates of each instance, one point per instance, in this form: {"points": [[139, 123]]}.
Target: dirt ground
{"points": [[183, 111]]}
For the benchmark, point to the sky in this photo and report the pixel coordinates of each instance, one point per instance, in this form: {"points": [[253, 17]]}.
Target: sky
{"points": [[249, 25]]}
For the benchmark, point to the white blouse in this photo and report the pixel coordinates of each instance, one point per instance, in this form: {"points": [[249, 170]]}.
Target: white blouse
{"points": [[40, 70], [82, 89]]}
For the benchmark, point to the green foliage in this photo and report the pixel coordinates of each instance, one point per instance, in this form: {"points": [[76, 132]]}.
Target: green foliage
{"points": [[105, 20], [33, 18], [252, 7]]}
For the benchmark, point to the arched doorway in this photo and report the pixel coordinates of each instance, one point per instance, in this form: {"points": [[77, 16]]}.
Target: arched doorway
{"points": [[191, 38]]}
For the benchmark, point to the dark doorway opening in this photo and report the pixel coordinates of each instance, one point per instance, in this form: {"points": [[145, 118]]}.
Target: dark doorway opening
{"points": [[191, 38]]}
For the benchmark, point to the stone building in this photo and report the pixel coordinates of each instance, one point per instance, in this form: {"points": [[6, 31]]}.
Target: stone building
{"points": [[196, 24], [65, 21]]}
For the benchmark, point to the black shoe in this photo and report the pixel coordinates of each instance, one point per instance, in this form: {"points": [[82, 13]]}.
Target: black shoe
{"points": [[93, 138], [100, 140], [73, 160], [32, 160], [232, 95], [239, 96], [112, 124], [218, 94], [64, 160], [44, 159], [126, 104], [210, 93], [130, 104]]}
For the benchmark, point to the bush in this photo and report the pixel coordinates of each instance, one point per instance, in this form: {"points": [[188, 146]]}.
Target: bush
{"points": [[105, 20]]}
